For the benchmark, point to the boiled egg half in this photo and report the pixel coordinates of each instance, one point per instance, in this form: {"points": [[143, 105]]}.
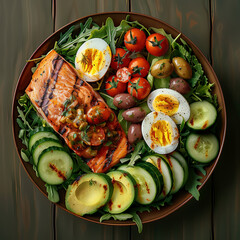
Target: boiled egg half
{"points": [[160, 132], [93, 59], [169, 102]]}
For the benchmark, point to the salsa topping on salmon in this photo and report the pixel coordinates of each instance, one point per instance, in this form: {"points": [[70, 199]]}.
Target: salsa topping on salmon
{"points": [[78, 113]]}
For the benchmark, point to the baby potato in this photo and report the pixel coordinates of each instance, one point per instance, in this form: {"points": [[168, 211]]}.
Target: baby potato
{"points": [[134, 133], [162, 68], [134, 115], [182, 68], [180, 85], [124, 101]]}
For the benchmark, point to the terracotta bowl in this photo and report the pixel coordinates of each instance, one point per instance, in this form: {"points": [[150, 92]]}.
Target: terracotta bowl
{"points": [[180, 198]]}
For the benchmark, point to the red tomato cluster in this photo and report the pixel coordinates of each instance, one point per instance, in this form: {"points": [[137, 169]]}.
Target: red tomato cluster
{"points": [[130, 78], [131, 73]]}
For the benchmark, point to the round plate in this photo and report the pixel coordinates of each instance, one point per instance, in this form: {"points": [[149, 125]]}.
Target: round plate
{"points": [[179, 199]]}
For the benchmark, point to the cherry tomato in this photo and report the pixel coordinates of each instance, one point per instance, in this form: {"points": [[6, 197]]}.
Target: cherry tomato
{"points": [[124, 74], [113, 86], [157, 44], [96, 135], [120, 59], [139, 88], [98, 114], [139, 67], [134, 40]]}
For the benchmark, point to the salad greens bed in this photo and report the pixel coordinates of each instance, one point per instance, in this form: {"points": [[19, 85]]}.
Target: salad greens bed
{"points": [[67, 46]]}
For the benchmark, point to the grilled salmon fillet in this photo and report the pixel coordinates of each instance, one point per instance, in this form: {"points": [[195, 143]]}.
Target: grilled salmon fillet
{"points": [[63, 99]]}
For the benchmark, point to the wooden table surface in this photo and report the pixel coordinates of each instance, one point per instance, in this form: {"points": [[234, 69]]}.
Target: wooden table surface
{"points": [[213, 25]]}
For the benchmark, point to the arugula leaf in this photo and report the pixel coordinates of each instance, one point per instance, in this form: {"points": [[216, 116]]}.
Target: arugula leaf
{"points": [[109, 100], [104, 217], [27, 120], [125, 124], [201, 169], [25, 154], [193, 183], [20, 124], [122, 28], [79, 164], [138, 221], [22, 116], [99, 33], [52, 191], [67, 46], [111, 34], [120, 216], [139, 149]]}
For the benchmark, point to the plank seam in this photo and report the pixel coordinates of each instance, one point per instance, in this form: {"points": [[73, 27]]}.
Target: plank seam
{"points": [[129, 5], [54, 15], [211, 32], [211, 62]]}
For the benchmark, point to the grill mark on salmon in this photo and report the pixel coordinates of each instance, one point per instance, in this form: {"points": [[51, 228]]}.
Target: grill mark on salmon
{"points": [[46, 86], [48, 81], [49, 91], [57, 65], [108, 159], [62, 131]]}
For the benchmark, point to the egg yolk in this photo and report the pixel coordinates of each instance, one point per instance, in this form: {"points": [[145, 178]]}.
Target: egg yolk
{"points": [[161, 133], [91, 61], [166, 103]]}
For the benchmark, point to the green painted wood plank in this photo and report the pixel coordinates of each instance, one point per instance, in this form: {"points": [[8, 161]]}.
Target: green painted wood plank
{"points": [[71, 227], [189, 17], [188, 223], [67, 225], [25, 213], [71, 10], [192, 221], [226, 58]]}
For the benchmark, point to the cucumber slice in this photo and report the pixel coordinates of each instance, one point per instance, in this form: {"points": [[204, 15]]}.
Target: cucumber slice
{"points": [[147, 183], [177, 172], [203, 115], [88, 193], [202, 148], [165, 170], [41, 145], [124, 191], [183, 162], [42, 132], [55, 165], [157, 176]]}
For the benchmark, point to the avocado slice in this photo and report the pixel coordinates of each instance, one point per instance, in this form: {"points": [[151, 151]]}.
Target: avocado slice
{"points": [[124, 191], [88, 193]]}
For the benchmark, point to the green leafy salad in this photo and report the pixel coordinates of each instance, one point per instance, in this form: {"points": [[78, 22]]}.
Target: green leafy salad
{"points": [[160, 95]]}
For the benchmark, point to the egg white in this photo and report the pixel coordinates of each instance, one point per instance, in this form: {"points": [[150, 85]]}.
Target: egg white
{"points": [[151, 118], [102, 46], [183, 111]]}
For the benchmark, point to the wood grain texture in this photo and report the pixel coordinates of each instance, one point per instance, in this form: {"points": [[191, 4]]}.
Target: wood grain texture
{"points": [[25, 213], [69, 11], [193, 221], [226, 62], [189, 17], [189, 222], [67, 225]]}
